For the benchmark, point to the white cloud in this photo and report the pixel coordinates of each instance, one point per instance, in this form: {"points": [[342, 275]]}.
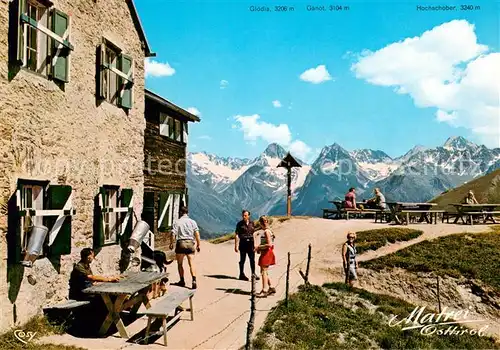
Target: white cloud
{"points": [[316, 75], [444, 68], [157, 69], [442, 116], [277, 103], [194, 110], [205, 137], [253, 129], [224, 84], [300, 149]]}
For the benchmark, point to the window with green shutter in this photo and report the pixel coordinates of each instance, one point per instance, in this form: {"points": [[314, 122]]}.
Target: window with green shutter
{"points": [[43, 39], [115, 75], [60, 53], [113, 215]]}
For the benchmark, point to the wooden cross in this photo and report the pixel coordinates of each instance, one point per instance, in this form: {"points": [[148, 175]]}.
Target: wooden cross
{"points": [[289, 162]]}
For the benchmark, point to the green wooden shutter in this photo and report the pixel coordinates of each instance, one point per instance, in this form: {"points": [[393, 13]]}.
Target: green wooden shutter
{"points": [[60, 58], [125, 200], [99, 219], [101, 88], [148, 211], [56, 198], [16, 33], [126, 65]]}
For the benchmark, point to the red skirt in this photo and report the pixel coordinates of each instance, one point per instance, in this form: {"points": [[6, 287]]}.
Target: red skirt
{"points": [[267, 258]]}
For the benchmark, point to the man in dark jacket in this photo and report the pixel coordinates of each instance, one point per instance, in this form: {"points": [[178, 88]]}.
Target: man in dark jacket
{"points": [[244, 243], [82, 276]]}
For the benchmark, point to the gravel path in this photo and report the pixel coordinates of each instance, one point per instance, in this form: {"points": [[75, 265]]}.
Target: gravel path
{"points": [[222, 302]]}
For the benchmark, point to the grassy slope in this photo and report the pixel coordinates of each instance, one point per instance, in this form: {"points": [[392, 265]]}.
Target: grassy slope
{"points": [[42, 328], [474, 256], [486, 188], [336, 317], [374, 239]]}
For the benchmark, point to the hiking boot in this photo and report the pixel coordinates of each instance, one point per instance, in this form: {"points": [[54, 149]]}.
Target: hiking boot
{"points": [[262, 294], [243, 278], [181, 283]]}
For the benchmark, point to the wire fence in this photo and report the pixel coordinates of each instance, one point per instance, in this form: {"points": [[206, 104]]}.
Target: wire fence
{"points": [[288, 272]]}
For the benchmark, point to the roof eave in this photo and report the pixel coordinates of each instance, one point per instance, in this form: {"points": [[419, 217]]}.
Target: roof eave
{"points": [[190, 116], [140, 29]]}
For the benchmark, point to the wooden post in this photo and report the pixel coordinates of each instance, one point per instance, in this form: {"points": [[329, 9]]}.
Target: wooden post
{"points": [[439, 298], [308, 263], [289, 192], [250, 326], [287, 280]]}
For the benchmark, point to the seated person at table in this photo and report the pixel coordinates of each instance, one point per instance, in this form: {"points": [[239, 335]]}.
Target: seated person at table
{"points": [[470, 198], [82, 276], [350, 199], [377, 202]]}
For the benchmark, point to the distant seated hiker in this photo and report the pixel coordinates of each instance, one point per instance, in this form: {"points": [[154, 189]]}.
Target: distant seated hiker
{"points": [[185, 230], [267, 257], [470, 198], [350, 199], [377, 202], [82, 276], [244, 243], [350, 263]]}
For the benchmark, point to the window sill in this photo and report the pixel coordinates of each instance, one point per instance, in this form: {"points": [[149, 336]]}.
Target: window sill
{"points": [[180, 143]]}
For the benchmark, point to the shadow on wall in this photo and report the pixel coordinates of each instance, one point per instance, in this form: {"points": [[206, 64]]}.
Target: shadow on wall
{"points": [[15, 271], [13, 65]]}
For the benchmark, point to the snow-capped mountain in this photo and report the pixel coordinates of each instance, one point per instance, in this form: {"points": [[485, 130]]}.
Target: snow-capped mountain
{"points": [[424, 173], [334, 171], [263, 183], [376, 164], [220, 187], [216, 172]]}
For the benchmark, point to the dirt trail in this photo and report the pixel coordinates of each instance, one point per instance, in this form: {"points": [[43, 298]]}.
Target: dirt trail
{"points": [[221, 298]]}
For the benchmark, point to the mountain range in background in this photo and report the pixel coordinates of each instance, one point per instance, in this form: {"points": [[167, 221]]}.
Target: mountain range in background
{"points": [[219, 188]]}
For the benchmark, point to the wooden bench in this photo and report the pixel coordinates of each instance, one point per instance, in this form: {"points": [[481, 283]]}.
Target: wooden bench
{"points": [[433, 213], [65, 313], [168, 304], [488, 215], [382, 215], [330, 213], [362, 211], [67, 305]]}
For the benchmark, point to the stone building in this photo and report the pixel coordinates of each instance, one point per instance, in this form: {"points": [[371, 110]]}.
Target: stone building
{"points": [[71, 141]]}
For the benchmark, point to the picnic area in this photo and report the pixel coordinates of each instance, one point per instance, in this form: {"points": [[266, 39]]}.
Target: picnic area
{"points": [[221, 302]]}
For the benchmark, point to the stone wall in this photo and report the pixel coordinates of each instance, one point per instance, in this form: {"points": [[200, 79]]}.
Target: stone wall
{"points": [[68, 138]]}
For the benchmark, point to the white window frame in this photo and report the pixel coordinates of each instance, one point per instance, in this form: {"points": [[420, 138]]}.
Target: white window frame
{"points": [[42, 40], [169, 128], [35, 194], [164, 126], [185, 132], [110, 77], [111, 220]]}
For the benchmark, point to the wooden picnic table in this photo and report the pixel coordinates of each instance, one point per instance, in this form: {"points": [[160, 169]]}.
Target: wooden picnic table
{"points": [[130, 291], [468, 211], [340, 210], [399, 208]]}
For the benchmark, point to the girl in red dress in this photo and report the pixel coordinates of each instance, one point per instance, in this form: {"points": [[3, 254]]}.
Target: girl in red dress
{"points": [[267, 257]]}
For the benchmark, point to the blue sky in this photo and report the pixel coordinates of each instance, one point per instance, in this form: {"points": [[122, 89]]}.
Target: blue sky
{"points": [[262, 55]]}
